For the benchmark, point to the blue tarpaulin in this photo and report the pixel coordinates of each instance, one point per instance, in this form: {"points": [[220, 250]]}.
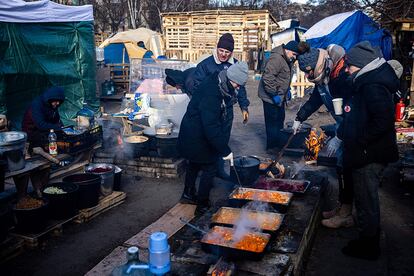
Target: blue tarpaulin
{"points": [[347, 29]]}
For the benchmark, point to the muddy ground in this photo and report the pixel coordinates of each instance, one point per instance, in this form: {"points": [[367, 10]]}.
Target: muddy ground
{"points": [[82, 246]]}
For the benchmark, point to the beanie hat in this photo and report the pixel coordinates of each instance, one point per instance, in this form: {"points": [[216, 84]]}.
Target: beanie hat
{"points": [[308, 60], [226, 41], [292, 46], [238, 73], [335, 52], [361, 54]]}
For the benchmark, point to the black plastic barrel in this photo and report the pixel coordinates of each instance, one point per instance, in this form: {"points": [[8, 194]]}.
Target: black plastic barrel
{"points": [[167, 145], [31, 220], [89, 188], [63, 205]]}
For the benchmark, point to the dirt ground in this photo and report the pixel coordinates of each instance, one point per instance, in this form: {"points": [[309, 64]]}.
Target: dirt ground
{"points": [[82, 246]]}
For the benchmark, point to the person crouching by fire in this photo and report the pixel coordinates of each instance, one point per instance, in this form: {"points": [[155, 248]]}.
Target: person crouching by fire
{"points": [[204, 133]]}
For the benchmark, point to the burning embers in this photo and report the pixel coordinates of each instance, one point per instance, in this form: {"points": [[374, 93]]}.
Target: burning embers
{"points": [[314, 143], [222, 268]]}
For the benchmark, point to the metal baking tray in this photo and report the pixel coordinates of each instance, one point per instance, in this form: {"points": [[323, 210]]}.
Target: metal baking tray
{"points": [[219, 240], [284, 185], [265, 221]]}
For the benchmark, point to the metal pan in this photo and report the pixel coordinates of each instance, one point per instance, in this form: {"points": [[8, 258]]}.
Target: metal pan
{"points": [[278, 200], [284, 185], [219, 241], [265, 221]]}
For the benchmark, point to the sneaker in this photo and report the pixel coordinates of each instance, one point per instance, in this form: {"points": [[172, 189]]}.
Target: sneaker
{"points": [[362, 249], [338, 221], [202, 208]]}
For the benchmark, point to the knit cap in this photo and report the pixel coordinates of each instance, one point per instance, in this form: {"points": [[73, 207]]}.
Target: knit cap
{"points": [[238, 73], [226, 41], [292, 46], [308, 60], [361, 54], [335, 52]]}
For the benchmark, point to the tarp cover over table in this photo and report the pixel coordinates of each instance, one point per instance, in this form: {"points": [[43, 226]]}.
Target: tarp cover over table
{"points": [[44, 44]]}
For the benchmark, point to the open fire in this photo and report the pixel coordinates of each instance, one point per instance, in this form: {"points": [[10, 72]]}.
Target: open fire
{"points": [[314, 144], [222, 268]]}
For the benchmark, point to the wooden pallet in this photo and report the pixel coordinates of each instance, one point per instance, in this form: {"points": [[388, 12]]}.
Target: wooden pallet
{"points": [[106, 203], [11, 247], [54, 228]]}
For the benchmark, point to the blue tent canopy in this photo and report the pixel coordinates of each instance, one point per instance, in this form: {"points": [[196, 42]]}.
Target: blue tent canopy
{"points": [[347, 29]]}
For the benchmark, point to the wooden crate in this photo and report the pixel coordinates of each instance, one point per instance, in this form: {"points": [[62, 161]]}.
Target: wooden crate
{"points": [[119, 73], [189, 35], [105, 204]]}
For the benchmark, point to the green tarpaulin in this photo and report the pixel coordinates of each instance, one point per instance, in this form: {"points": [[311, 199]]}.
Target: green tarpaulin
{"points": [[36, 56]]}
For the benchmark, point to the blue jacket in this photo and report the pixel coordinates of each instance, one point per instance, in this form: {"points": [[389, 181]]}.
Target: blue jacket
{"points": [[208, 67], [40, 115]]}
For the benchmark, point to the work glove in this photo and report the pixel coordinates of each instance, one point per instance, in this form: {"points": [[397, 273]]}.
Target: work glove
{"points": [[296, 126], [288, 95], [229, 158], [333, 145], [277, 100], [245, 114]]}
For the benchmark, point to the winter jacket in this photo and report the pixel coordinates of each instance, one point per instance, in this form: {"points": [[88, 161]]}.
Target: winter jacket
{"points": [[276, 77], [40, 116], [204, 131], [338, 88], [185, 79], [213, 65], [367, 129]]}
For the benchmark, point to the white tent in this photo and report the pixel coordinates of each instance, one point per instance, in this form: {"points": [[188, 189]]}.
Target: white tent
{"points": [[19, 11]]}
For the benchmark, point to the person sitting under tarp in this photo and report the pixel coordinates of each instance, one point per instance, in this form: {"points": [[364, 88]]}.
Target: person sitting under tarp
{"points": [[181, 79], [42, 116], [148, 53]]}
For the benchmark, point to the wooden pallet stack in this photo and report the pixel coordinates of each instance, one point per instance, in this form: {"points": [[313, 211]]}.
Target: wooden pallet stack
{"points": [[193, 34]]}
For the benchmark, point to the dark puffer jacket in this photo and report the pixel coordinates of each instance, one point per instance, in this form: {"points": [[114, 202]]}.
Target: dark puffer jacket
{"points": [[40, 116], [338, 87], [276, 77], [368, 130], [204, 131], [212, 65], [185, 79]]}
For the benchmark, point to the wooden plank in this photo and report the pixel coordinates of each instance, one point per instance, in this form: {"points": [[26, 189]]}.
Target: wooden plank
{"points": [[11, 247], [106, 203], [169, 223], [116, 258]]}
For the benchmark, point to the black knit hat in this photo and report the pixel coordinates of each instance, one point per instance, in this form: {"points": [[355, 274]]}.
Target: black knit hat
{"points": [[361, 54], [292, 46], [226, 41], [308, 60]]}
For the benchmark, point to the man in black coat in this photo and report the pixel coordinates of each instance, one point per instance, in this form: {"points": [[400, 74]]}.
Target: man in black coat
{"points": [[369, 138], [204, 132]]}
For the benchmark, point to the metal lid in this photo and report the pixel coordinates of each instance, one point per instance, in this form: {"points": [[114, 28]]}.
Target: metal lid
{"points": [[246, 161], [12, 137]]}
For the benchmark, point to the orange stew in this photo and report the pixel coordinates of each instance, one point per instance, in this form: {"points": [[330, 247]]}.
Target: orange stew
{"points": [[255, 242], [267, 196]]}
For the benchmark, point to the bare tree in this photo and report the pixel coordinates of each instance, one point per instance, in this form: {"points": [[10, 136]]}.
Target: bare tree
{"points": [[110, 13]]}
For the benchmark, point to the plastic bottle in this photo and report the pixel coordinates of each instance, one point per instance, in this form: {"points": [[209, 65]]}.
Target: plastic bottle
{"points": [[53, 143], [399, 111], [133, 266]]}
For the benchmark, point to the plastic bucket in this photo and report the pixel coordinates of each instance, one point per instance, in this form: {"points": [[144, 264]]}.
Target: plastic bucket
{"points": [[89, 188], [106, 172], [62, 205]]}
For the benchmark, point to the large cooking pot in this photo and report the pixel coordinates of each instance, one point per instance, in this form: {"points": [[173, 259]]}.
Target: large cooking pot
{"points": [[298, 141], [31, 219], [167, 145], [89, 187], [247, 168], [111, 131], [136, 146], [62, 205], [12, 145], [106, 172]]}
